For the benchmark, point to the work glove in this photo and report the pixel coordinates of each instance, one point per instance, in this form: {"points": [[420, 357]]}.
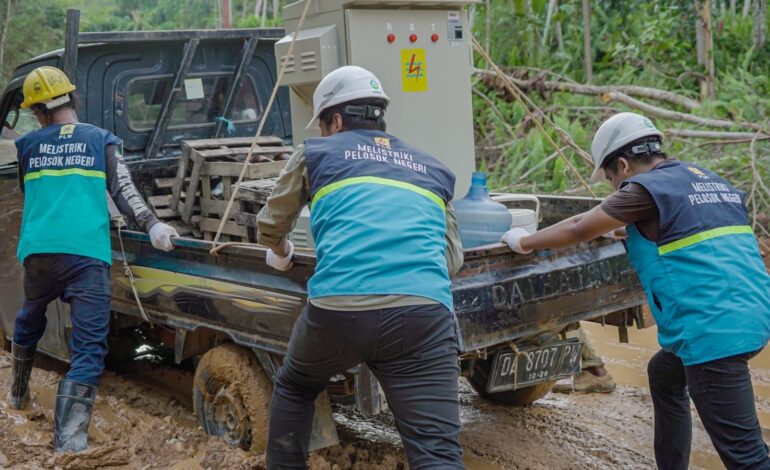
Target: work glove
{"points": [[281, 263], [160, 236], [513, 237]]}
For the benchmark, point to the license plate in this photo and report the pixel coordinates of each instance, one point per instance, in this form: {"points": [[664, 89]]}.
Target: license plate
{"points": [[512, 370]]}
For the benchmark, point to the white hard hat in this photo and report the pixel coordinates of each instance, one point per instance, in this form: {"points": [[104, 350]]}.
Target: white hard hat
{"points": [[617, 132], [345, 84]]}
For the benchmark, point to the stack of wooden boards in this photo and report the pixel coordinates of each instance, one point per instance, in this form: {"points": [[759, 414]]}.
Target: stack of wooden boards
{"points": [[206, 177]]}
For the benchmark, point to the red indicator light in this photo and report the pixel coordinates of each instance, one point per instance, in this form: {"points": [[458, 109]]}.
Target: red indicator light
{"points": [[434, 37], [413, 38], [391, 37]]}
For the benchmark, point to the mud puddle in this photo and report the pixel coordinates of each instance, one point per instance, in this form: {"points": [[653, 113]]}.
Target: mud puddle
{"points": [[628, 365]]}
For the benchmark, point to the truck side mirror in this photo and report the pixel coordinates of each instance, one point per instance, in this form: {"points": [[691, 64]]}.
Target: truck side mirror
{"points": [[14, 121]]}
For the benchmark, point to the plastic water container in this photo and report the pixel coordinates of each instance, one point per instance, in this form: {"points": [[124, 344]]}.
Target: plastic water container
{"points": [[520, 217], [481, 220]]}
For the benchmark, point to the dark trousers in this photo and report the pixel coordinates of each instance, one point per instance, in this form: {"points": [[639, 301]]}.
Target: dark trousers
{"points": [[413, 353], [722, 393], [82, 282]]}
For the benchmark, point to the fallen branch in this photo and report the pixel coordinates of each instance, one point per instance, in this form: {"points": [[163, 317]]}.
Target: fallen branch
{"points": [[651, 110], [521, 97], [732, 137], [597, 90]]}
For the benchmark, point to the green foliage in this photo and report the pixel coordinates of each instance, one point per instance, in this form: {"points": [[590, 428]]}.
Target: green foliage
{"points": [[647, 43], [37, 26]]}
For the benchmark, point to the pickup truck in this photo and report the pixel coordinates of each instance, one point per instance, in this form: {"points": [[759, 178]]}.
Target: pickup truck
{"points": [[231, 315]]}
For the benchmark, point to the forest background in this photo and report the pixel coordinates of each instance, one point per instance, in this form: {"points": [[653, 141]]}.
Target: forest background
{"points": [[699, 68]]}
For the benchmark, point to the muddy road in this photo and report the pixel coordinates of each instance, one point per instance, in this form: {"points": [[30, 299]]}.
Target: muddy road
{"points": [[144, 420]]}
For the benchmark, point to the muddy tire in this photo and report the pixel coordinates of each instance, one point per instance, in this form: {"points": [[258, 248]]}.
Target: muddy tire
{"points": [[521, 397], [231, 397]]}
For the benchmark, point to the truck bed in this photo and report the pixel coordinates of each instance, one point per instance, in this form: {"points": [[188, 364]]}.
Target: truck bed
{"points": [[500, 297]]}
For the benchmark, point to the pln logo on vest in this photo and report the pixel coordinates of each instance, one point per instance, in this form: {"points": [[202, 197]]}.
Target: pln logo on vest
{"points": [[383, 142], [66, 131], [697, 173]]}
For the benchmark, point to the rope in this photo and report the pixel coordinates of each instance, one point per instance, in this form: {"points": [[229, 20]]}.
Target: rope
{"points": [[518, 94], [215, 249], [120, 222]]}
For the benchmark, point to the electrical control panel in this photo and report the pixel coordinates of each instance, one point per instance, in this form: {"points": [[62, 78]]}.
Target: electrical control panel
{"points": [[420, 50]]}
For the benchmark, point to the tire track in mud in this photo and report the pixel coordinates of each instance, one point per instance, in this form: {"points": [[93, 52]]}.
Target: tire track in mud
{"points": [[141, 425]]}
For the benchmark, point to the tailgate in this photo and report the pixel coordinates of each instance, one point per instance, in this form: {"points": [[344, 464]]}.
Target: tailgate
{"points": [[500, 296]]}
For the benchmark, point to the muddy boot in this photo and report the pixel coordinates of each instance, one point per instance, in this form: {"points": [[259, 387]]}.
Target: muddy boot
{"points": [[586, 382], [74, 403], [23, 357]]}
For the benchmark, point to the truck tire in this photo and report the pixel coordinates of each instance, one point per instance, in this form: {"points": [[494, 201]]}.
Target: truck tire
{"points": [[521, 397], [231, 397]]}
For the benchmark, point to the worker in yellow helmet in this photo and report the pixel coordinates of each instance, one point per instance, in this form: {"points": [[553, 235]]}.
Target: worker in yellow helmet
{"points": [[64, 170]]}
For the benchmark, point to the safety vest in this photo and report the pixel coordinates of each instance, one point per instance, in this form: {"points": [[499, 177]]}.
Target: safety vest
{"points": [[65, 206], [705, 280], [378, 217]]}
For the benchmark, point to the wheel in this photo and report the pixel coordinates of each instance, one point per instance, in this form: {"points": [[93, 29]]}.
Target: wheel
{"points": [[231, 397], [521, 397]]}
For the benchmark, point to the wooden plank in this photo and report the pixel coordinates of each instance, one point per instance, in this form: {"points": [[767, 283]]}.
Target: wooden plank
{"points": [[192, 188], [255, 193], [214, 206], [246, 219], [160, 201], [233, 169], [233, 141], [243, 151], [166, 214], [167, 183], [196, 208], [230, 228], [181, 173]]}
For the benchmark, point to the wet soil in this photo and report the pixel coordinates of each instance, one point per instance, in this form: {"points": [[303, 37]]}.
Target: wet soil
{"points": [[144, 420]]}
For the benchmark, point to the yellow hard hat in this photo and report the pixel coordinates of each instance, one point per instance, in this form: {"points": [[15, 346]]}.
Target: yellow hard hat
{"points": [[47, 85]]}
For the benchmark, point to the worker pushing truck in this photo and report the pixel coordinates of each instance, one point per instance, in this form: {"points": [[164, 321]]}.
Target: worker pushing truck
{"points": [[508, 310]]}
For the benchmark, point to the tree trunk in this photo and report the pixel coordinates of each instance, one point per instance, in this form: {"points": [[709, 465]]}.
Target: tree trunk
{"points": [[257, 7], [587, 56], [760, 24], [706, 52], [548, 16], [4, 30], [276, 8], [264, 14], [746, 7], [733, 4], [559, 36], [487, 24]]}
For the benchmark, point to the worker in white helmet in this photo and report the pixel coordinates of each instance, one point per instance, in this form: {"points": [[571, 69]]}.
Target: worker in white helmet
{"points": [[387, 244], [692, 245]]}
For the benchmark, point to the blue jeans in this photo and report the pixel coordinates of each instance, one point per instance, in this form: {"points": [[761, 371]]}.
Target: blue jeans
{"points": [[722, 393], [82, 282], [413, 353]]}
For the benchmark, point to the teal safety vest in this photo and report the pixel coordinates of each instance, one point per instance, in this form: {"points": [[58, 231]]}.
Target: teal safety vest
{"points": [[378, 217], [65, 203], [705, 280]]}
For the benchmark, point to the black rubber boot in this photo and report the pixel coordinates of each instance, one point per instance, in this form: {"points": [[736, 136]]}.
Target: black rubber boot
{"points": [[23, 357], [74, 404]]}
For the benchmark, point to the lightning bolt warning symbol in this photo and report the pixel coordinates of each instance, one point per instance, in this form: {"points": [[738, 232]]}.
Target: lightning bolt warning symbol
{"points": [[414, 72]]}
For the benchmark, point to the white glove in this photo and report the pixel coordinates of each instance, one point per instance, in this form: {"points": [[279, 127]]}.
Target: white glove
{"points": [[281, 263], [513, 237], [160, 236]]}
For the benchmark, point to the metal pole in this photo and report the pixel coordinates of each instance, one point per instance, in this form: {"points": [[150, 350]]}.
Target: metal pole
{"points": [[70, 64]]}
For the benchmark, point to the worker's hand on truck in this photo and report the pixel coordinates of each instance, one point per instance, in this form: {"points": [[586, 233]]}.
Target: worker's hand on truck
{"points": [[513, 237], [281, 263], [160, 236]]}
